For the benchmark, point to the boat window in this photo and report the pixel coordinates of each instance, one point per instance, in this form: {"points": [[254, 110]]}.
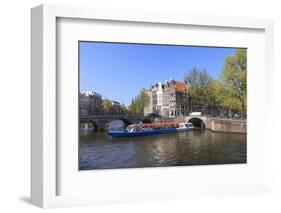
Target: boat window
{"points": [[129, 128]]}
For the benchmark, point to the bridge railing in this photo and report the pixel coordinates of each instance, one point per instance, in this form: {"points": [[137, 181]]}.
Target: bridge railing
{"points": [[110, 116], [233, 116]]}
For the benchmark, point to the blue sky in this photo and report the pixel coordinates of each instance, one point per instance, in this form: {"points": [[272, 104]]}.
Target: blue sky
{"points": [[120, 71]]}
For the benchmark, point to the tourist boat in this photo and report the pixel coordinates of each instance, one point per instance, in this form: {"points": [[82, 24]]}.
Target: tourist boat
{"points": [[184, 127], [135, 130]]}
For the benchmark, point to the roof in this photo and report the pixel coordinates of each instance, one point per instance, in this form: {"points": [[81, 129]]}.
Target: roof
{"points": [[180, 86]]}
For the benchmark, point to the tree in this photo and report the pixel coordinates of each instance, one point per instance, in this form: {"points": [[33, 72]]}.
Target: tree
{"points": [[143, 100], [107, 105], [138, 103], [132, 106], [198, 82], [234, 81], [123, 109], [215, 93]]}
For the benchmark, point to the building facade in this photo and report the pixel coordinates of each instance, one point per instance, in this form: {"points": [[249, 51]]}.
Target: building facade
{"points": [[169, 99], [159, 95], [84, 104], [116, 107], [155, 93], [90, 103], [175, 99]]}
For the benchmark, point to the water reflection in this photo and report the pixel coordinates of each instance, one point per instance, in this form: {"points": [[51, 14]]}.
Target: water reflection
{"points": [[98, 151]]}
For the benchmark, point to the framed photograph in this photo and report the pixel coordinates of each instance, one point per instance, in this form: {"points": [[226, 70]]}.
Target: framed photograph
{"points": [[129, 106]]}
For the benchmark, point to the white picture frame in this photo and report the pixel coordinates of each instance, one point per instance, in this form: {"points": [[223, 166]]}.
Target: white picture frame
{"points": [[45, 168]]}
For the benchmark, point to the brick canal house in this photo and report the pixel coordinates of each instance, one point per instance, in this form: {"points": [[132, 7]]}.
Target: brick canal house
{"points": [[169, 99]]}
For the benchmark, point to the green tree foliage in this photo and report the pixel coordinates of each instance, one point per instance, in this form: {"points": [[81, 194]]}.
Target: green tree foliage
{"points": [[215, 95], [230, 91], [144, 100], [138, 103], [107, 105], [133, 107], [199, 84], [123, 109], [234, 81]]}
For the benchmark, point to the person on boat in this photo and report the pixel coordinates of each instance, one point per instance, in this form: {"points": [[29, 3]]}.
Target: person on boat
{"points": [[141, 125], [138, 127]]}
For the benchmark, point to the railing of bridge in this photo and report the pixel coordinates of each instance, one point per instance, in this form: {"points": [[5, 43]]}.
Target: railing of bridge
{"points": [[218, 116], [110, 116], [230, 116]]}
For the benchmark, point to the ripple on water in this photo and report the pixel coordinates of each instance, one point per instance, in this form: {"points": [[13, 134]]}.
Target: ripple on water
{"points": [[98, 151]]}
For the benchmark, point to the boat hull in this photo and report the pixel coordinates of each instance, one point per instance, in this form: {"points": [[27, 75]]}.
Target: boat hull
{"points": [[182, 129], [121, 134]]}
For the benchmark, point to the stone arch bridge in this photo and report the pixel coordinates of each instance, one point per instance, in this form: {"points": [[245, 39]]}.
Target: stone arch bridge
{"points": [[218, 124], [200, 121], [100, 122], [215, 124]]}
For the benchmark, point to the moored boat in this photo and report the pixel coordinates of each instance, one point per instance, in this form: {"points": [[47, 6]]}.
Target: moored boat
{"points": [[135, 130], [184, 127]]}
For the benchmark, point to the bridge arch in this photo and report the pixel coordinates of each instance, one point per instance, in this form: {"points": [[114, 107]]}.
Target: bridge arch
{"points": [[197, 122], [125, 120], [103, 122], [118, 123], [95, 124]]}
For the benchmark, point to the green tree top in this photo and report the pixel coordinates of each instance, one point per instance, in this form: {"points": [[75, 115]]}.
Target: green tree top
{"points": [[234, 80], [138, 103], [123, 108], [107, 105], [198, 82]]}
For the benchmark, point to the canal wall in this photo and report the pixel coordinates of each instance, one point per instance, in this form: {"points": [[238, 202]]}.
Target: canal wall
{"points": [[219, 124], [230, 126]]}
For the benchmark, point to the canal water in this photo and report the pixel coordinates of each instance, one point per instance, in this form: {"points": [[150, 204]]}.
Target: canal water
{"points": [[198, 147]]}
